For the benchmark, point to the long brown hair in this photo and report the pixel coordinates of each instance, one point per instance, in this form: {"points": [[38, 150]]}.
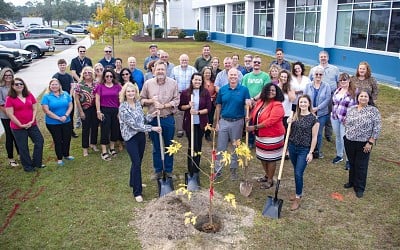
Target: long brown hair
{"points": [[25, 92], [296, 115], [368, 73]]}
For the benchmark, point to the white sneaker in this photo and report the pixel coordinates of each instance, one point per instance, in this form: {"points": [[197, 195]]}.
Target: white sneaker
{"points": [[139, 198]]}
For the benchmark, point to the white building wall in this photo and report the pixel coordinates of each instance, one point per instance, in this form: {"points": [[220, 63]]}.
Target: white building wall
{"points": [[181, 15]]}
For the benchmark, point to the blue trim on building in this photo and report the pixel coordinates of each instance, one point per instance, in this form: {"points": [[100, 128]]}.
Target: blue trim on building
{"points": [[384, 67]]}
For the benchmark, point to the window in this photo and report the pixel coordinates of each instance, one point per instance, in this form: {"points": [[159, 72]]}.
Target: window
{"points": [[368, 24], [302, 20], [238, 12], [8, 37], [220, 19], [263, 18], [206, 18]]}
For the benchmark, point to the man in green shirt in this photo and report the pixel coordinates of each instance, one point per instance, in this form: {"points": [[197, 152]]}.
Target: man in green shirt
{"points": [[204, 59]]}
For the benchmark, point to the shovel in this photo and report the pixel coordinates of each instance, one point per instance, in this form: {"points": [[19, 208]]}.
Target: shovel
{"points": [[273, 206], [165, 184], [192, 182], [245, 186]]}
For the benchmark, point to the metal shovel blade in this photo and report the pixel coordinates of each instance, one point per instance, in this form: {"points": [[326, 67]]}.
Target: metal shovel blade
{"points": [[192, 182], [245, 188], [273, 208], [165, 186]]}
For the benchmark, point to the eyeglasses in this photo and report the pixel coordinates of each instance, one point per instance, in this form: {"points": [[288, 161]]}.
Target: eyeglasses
{"points": [[344, 79], [109, 76], [18, 84], [82, 51], [318, 74], [256, 62], [108, 51], [99, 69], [125, 74], [8, 75], [87, 73]]}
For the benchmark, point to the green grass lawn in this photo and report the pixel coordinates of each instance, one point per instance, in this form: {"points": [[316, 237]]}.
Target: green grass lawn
{"points": [[87, 204]]}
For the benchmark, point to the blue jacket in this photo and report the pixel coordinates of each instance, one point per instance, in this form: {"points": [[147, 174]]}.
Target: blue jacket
{"points": [[323, 97]]}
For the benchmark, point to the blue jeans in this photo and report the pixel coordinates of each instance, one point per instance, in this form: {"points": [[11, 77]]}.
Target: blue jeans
{"points": [[135, 147], [21, 137], [298, 156], [338, 129], [168, 131], [322, 121]]}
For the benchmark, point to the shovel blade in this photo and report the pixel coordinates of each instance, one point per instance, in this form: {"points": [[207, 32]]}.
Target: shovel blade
{"points": [[245, 188], [273, 208], [192, 182], [165, 186]]}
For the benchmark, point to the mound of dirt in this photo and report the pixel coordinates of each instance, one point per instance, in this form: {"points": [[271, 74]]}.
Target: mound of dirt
{"points": [[161, 223]]}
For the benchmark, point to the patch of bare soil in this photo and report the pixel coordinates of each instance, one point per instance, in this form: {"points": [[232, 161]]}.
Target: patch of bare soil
{"points": [[161, 223], [138, 38]]}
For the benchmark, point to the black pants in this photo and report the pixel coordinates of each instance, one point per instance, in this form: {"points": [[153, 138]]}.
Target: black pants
{"points": [[359, 164], [61, 134], [10, 140], [90, 127], [194, 165], [135, 147], [110, 130]]}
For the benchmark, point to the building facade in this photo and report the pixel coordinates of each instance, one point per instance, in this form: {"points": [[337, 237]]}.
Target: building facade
{"points": [[350, 30]]}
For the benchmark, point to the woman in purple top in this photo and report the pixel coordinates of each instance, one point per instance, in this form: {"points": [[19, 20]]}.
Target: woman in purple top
{"points": [[199, 108], [21, 109], [342, 99], [107, 104]]}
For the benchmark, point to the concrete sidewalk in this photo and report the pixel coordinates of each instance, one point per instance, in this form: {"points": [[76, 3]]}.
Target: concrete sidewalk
{"points": [[39, 73]]}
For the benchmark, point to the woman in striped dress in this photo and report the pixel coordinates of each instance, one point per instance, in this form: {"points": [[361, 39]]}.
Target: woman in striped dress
{"points": [[267, 117]]}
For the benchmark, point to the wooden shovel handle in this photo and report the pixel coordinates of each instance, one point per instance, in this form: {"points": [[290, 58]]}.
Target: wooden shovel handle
{"points": [[191, 131], [285, 148], [160, 139]]}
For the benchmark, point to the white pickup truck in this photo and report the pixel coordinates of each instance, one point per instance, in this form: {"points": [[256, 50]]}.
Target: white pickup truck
{"points": [[17, 40]]}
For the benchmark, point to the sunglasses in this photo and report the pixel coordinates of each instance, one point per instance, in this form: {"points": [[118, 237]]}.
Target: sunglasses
{"points": [[344, 79], [87, 73], [108, 51], [18, 84], [83, 51], [318, 74], [125, 74], [256, 62], [98, 70], [109, 76]]}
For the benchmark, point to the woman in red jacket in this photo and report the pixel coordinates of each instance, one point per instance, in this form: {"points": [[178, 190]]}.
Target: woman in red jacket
{"points": [[268, 127]]}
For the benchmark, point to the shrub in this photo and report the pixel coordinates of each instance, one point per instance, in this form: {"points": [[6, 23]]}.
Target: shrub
{"points": [[200, 36], [158, 32], [182, 34]]}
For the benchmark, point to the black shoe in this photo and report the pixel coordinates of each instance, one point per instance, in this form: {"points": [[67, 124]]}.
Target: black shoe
{"points": [[208, 137], [347, 166], [29, 170], [74, 135], [359, 194], [348, 185], [328, 138]]}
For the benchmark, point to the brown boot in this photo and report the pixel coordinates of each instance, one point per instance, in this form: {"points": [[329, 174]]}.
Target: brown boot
{"points": [[295, 204]]}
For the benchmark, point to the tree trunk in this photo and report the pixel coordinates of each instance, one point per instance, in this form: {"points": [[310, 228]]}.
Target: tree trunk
{"points": [[165, 20], [153, 36], [141, 17]]}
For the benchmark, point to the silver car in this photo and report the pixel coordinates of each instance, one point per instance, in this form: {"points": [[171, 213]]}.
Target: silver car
{"points": [[59, 36], [73, 28]]}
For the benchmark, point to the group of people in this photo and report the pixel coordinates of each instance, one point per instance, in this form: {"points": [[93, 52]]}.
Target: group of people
{"points": [[109, 95]]}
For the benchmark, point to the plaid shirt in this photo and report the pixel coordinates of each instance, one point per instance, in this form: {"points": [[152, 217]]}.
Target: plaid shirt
{"points": [[340, 105], [182, 76]]}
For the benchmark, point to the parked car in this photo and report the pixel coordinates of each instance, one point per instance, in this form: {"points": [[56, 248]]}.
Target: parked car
{"points": [[74, 28], [5, 27], [59, 36], [17, 40], [27, 55], [10, 58]]}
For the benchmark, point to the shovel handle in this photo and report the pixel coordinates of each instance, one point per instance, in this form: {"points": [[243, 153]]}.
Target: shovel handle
{"points": [[247, 132], [191, 131], [285, 148], [161, 140]]}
